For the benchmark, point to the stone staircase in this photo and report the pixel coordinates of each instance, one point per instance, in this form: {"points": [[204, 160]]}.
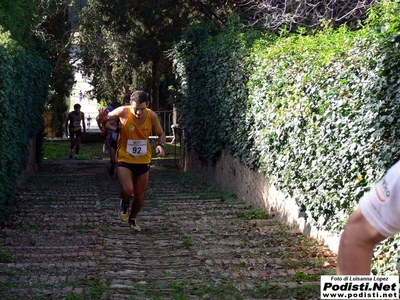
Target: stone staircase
{"points": [[65, 241]]}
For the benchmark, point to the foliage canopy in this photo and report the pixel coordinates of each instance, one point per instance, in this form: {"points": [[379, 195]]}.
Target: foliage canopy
{"points": [[124, 42]]}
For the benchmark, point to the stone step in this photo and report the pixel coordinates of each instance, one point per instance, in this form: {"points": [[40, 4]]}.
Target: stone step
{"points": [[65, 241]]}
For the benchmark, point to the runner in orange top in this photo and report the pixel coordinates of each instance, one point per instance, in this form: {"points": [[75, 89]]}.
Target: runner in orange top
{"points": [[134, 151]]}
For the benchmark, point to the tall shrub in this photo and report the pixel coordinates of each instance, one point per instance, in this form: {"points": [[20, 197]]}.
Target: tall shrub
{"points": [[24, 84], [212, 70]]}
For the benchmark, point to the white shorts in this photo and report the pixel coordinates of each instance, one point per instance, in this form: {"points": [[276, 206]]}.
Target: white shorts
{"points": [[381, 205]]}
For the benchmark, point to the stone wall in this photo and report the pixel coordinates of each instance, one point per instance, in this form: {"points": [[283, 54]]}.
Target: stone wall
{"points": [[229, 174]]}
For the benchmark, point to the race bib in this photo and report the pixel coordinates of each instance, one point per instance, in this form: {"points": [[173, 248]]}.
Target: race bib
{"points": [[137, 147], [77, 123]]}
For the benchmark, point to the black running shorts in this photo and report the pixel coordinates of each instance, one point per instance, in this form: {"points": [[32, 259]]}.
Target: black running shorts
{"points": [[136, 169]]}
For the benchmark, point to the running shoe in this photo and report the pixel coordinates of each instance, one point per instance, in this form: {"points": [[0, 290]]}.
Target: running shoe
{"points": [[123, 212], [133, 225], [70, 155]]}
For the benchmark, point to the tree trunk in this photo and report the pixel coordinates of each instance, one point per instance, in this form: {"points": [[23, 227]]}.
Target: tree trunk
{"points": [[155, 86]]}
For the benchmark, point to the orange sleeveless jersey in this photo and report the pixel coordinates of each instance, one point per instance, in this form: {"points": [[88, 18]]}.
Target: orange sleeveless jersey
{"points": [[134, 147]]}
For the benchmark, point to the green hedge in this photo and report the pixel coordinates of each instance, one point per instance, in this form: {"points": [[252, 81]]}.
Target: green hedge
{"points": [[317, 113], [24, 79]]}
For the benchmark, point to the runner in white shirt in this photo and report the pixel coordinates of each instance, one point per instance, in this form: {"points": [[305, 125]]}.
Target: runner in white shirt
{"points": [[377, 218]]}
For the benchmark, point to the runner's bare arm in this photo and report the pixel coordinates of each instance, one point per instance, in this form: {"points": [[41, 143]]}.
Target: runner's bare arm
{"points": [[357, 245], [158, 130], [104, 115]]}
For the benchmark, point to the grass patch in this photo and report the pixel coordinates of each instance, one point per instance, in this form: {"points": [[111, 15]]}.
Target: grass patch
{"points": [[27, 226], [302, 277], [188, 241], [6, 256], [152, 200], [266, 289], [93, 150], [60, 150], [306, 291], [82, 229], [229, 197], [253, 214], [96, 290], [10, 273], [107, 232]]}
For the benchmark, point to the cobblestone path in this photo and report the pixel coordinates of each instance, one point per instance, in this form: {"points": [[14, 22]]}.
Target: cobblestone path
{"points": [[65, 241]]}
